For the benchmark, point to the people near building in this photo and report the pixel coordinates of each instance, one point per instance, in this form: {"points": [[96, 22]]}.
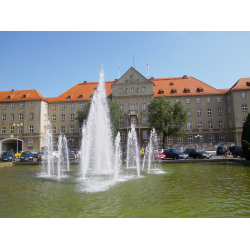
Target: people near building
{"points": [[226, 152], [142, 152], [76, 155], [223, 151], [182, 149]]}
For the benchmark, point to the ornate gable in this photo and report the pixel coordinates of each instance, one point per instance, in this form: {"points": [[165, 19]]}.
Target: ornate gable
{"points": [[132, 76]]}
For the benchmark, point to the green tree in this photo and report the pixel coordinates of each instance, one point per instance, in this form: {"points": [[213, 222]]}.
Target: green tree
{"points": [[245, 139], [114, 111], [167, 118]]}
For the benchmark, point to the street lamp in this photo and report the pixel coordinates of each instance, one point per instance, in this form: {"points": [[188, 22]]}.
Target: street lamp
{"points": [[198, 137], [18, 125]]}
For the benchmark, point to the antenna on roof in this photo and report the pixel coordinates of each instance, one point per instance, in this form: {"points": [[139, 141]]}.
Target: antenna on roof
{"points": [[148, 69], [119, 69], [134, 60]]}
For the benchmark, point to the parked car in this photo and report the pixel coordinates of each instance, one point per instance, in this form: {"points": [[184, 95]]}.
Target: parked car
{"points": [[35, 155], [231, 149], [56, 154], [197, 153], [71, 155], [159, 156], [219, 151], [7, 156], [237, 152], [18, 155], [175, 154], [26, 156]]}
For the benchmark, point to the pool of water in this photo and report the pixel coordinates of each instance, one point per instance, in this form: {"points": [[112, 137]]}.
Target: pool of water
{"points": [[179, 190]]}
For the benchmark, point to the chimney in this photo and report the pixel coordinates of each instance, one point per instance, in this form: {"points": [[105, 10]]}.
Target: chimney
{"points": [[12, 90], [116, 80], [85, 82], [152, 78], [185, 76]]}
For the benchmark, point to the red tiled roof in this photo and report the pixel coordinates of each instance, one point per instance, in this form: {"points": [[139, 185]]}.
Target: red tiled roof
{"points": [[20, 95], [180, 85], [84, 89], [242, 83]]}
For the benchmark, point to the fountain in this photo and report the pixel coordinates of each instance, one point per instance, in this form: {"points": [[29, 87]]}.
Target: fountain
{"points": [[47, 157]]}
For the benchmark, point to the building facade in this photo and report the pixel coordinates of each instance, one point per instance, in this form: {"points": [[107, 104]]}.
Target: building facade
{"points": [[215, 116]]}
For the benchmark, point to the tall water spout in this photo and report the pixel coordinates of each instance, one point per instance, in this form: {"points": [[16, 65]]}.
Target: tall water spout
{"points": [[133, 153], [97, 147], [118, 160]]}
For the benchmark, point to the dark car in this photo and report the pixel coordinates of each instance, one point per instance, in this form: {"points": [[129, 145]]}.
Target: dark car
{"points": [[197, 153], [8, 156], [237, 152], [219, 151], [71, 155], [175, 154], [26, 156], [36, 155]]}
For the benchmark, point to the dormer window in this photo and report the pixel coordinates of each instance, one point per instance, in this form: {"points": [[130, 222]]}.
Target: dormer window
{"points": [[25, 95], [95, 87], [174, 91], [199, 89], [80, 96], [248, 83], [186, 90], [171, 83], [161, 91], [68, 97]]}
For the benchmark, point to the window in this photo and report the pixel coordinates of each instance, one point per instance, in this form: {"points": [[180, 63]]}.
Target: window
{"points": [[122, 134], [220, 111], [20, 116], [177, 100], [71, 142], [19, 130], [122, 120], [230, 124], [243, 95], [3, 130], [132, 99], [54, 130], [211, 138], [218, 99], [53, 117], [3, 117], [120, 90], [63, 129], [144, 106], [12, 105], [222, 137], [208, 99], [31, 116], [71, 105], [190, 139], [143, 99], [31, 129], [210, 124], [72, 117], [187, 100], [144, 120], [180, 140], [4, 106], [132, 90], [45, 105], [221, 124], [189, 112], [72, 129], [62, 117], [159, 139], [209, 111], [169, 139], [143, 89], [54, 106], [121, 107], [244, 107], [199, 111], [145, 134], [32, 104], [121, 100], [12, 130], [189, 125], [133, 120], [229, 110], [132, 107], [63, 106], [81, 105], [45, 117], [30, 143], [12, 117], [20, 105], [199, 125], [198, 100]]}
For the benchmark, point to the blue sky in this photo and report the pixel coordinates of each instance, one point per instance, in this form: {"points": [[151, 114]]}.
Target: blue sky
{"points": [[53, 62]]}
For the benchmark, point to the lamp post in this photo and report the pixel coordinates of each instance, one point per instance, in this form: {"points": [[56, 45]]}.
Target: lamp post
{"points": [[198, 137], [18, 125]]}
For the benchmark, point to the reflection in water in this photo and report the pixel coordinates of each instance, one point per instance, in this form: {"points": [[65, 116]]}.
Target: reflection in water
{"points": [[185, 190]]}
